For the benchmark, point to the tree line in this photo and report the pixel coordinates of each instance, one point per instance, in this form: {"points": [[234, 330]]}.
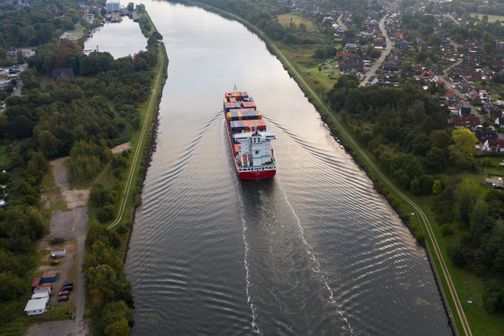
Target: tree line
{"points": [[406, 130]]}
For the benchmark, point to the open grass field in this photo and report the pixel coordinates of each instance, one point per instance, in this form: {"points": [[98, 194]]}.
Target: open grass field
{"points": [[286, 19], [491, 18], [323, 76]]}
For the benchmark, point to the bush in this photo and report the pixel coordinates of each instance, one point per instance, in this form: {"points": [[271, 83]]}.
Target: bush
{"points": [[446, 230], [493, 297], [106, 213]]}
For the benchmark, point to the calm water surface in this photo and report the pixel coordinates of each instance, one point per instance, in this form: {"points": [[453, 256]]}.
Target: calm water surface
{"points": [[315, 251], [119, 39]]}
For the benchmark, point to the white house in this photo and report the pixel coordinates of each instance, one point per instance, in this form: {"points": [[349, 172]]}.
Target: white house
{"points": [[36, 306], [112, 6], [40, 295], [43, 289]]}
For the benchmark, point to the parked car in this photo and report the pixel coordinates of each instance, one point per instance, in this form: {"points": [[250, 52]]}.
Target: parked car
{"points": [[62, 298], [67, 286], [63, 292]]}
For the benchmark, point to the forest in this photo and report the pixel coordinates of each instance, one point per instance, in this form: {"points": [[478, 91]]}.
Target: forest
{"points": [[36, 24], [406, 130], [82, 117]]}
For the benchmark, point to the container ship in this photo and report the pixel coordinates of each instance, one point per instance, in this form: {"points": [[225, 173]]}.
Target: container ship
{"points": [[249, 141]]}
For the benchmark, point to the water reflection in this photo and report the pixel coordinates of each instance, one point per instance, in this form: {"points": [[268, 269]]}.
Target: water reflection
{"points": [[119, 39]]}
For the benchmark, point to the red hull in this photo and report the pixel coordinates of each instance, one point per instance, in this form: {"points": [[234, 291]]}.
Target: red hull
{"points": [[250, 175], [257, 175]]}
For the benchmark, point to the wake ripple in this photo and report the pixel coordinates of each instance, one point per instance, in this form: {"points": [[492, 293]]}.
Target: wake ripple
{"points": [[248, 285], [171, 174], [316, 265]]}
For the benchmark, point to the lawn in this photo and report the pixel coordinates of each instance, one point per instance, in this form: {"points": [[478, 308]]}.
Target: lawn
{"points": [[491, 18], [286, 19], [323, 76]]}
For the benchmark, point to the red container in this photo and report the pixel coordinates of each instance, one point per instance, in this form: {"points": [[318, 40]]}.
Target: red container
{"points": [[36, 282]]}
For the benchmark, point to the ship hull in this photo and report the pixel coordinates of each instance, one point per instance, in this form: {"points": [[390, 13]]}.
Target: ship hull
{"points": [[256, 175], [248, 175]]}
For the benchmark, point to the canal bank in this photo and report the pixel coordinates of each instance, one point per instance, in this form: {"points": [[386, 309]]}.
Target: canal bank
{"points": [[116, 311], [315, 258], [401, 200]]}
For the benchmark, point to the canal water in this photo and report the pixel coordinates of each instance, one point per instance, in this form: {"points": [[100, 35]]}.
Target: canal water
{"points": [[119, 39], [314, 251]]}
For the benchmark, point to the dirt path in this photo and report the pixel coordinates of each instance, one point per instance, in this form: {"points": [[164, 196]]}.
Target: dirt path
{"points": [[121, 148], [69, 225], [60, 328]]}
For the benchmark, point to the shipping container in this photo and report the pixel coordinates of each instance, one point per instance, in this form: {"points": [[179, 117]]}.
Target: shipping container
{"points": [[50, 277], [247, 104], [36, 282], [239, 126], [58, 253]]}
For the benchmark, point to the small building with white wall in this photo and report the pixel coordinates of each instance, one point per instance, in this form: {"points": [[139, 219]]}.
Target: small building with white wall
{"points": [[36, 306], [112, 6]]}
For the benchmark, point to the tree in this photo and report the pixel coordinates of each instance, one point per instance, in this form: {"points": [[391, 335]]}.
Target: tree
{"points": [[439, 139], [116, 310], [101, 283], [493, 297], [479, 219], [11, 287], [118, 328], [437, 186], [435, 160], [462, 150], [467, 195]]}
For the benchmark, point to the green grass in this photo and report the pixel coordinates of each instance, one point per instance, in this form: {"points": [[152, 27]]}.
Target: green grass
{"points": [[140, 141], [52, 193], [78, 32], [323, 76], [286, 20], [491, 18]]}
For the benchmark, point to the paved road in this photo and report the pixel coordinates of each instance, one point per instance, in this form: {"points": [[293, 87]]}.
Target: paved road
{"points": [[19, 88], [339, 20], [448, 69], [385, 52], [453, 19]]}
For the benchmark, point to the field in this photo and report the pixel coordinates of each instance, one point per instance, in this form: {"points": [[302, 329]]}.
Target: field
{"points": [[491, 18], [286, 19], [324, 75]]}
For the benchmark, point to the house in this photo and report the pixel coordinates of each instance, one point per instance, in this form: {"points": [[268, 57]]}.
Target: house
{"points": [[497, 144], [112, 6], [471, 121], [89, 18], [495, 182], [350, 46], [4, 84], [63, 75], [465, 111], [36, 306], [12, 52]]}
